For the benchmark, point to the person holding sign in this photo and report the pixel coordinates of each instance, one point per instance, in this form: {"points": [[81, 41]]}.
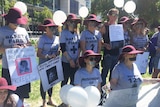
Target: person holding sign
{"points": [[126, 80], [14, 36], [91, 38], [48, 47], [69, 42], [88, 75], [110, 55], [7, 98]]}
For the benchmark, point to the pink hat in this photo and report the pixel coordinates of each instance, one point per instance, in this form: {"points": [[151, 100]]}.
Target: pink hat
{"points": [[92, 17], [15, 16], [73, 17], [129, 49], [124, 19], [4, 85], [47, 23], [89, 53]]}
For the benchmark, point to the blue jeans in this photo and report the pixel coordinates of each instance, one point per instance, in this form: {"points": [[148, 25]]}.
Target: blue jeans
{"points": [[108, 64]]}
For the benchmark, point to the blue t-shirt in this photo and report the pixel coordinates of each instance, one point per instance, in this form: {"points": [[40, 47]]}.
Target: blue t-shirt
{"points": [[10, 37], [84, 78], [140, 41], [71, 41], [126, 78], [49, 46], [91, 39]]}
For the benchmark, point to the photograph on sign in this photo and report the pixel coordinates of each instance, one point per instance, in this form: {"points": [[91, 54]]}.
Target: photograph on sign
{"points": [[52, 74], [23, 66]]}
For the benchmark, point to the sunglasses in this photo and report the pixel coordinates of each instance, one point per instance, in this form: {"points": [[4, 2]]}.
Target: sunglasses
{"points": [[92, 59]]}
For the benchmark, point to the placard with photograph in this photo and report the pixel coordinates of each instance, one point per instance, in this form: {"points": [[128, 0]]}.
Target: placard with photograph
{"points": [[51, 72], [142, 62], [116, 35], [22, 65]]}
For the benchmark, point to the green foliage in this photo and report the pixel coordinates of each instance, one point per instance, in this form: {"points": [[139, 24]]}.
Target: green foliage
{"points": [[41, 15], [8, 4]]}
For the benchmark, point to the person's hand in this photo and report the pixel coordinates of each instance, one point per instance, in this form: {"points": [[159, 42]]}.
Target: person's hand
{"points": [[16, 46], [52, 56], [72, 63]]}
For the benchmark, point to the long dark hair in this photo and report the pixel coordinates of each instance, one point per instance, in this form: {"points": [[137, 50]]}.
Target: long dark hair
{"points": [[10, 101]]}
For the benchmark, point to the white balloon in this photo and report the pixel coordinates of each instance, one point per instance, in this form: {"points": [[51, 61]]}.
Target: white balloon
{"points": [[21, 6], [77, 97], [130, 7], [83, 12], [119, 3], [93, 96], [64, 91], [59, 17]]}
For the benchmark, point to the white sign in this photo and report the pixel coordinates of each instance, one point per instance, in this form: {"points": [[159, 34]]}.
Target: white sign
{"points": [[51, 72], [116, 36], [22, 65], [142, 61], [116, 32], [147, 96]]}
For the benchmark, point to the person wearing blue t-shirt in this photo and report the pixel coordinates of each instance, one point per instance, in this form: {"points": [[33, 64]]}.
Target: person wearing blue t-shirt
{"points": [[48, 48], [88, 75], [126, 80]]}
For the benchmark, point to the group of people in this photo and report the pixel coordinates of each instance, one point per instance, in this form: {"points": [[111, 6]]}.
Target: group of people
{"points": [[81, 53]]}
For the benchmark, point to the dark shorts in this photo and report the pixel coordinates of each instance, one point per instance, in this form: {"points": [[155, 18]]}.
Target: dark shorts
{"points": [[22, 91]]}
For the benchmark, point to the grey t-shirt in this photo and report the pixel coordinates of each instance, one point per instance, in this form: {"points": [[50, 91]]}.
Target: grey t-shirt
{"points": [[84, 78], [91, 39], [9, 37], [72, 44], [126, 78], [49, 46]]}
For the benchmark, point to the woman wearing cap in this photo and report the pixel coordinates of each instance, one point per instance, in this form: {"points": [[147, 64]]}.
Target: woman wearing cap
{"points": [[88, 75], [91, 38], [126, 28], [126, 76], [48, 47], [8, 99], [69, 42], [13, 36], [139, 37]]}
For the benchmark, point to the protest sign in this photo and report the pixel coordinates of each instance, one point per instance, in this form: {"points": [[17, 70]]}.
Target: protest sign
{"points": [[51, 72], [142, 62], [22, 65], [116, 35]]}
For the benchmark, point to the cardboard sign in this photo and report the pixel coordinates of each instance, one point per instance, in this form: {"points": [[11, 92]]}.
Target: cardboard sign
{"points": [[142, 62], [51, 72], [22, 65]]}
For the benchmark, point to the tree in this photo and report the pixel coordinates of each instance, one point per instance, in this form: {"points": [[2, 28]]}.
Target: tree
{"points": [[39, 16]]}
